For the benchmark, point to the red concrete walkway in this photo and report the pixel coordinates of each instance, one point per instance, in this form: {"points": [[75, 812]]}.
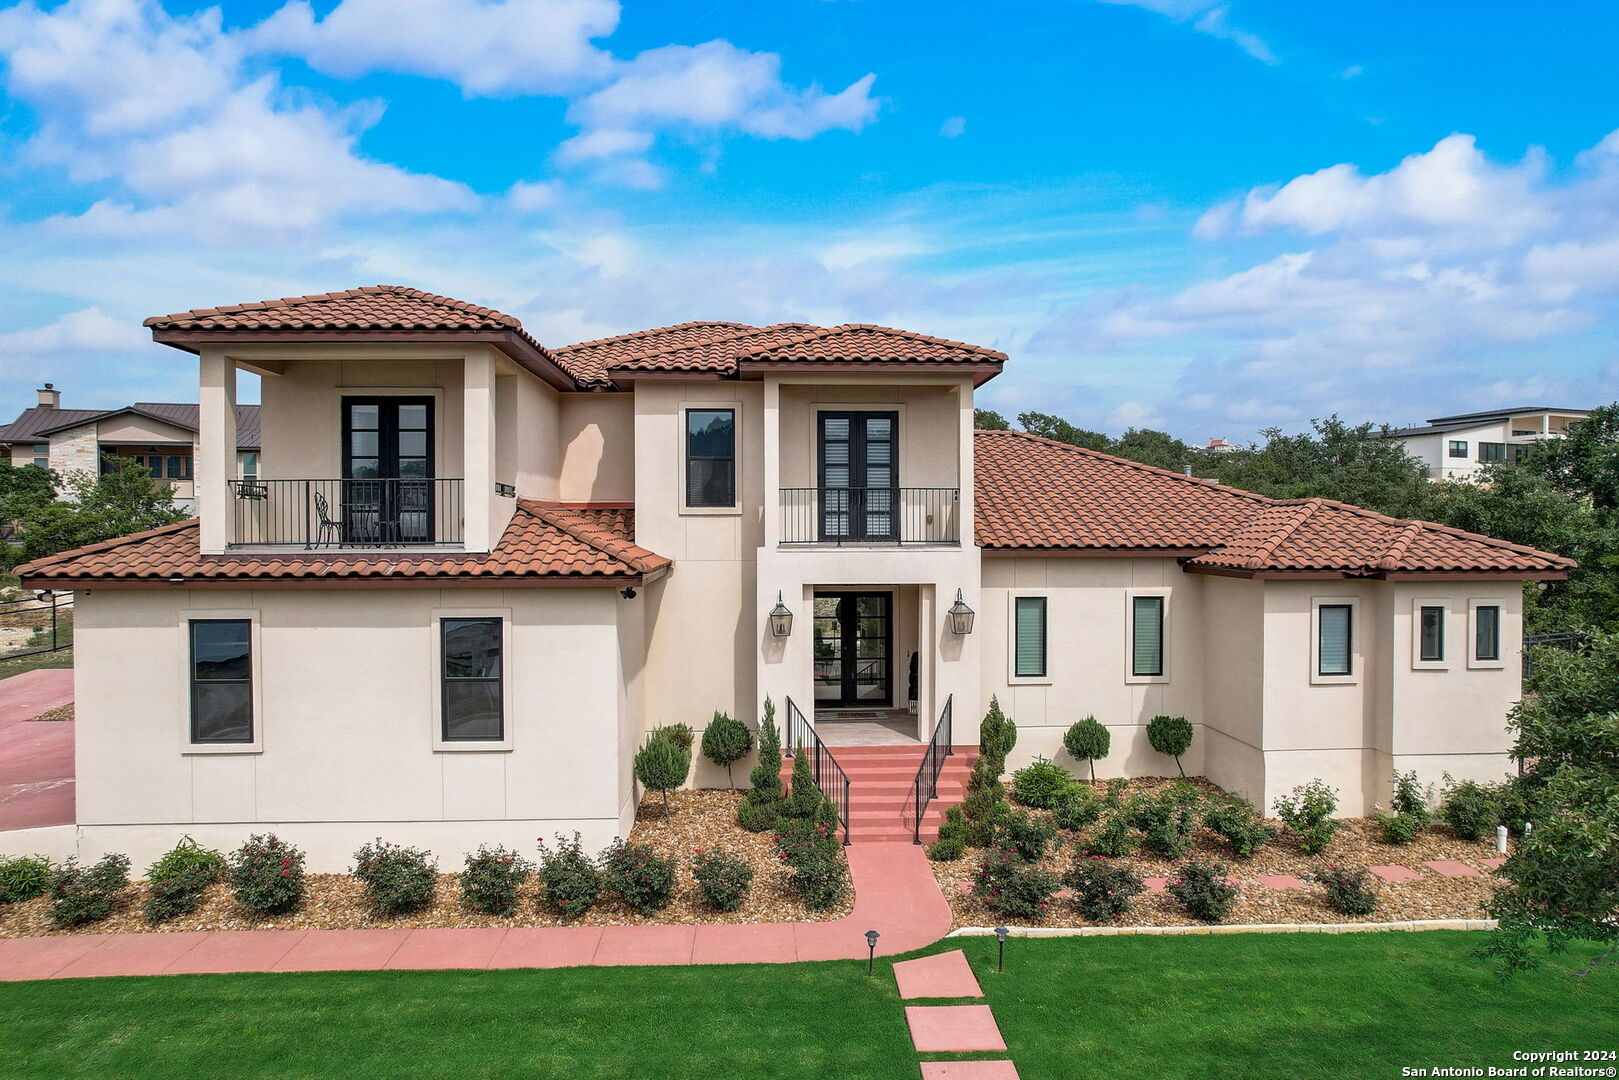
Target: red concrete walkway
{"points": [[895, 894], [36, 760]]}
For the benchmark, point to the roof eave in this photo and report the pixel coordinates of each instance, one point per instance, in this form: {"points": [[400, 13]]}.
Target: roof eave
{"points": [[418, 581], [980, 372]]}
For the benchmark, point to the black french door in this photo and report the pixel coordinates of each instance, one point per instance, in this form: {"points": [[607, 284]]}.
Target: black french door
{"points": [[854, 647], [387, 488], [859, 476]]}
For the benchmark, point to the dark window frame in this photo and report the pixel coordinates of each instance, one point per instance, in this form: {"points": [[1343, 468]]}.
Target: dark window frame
{"points": [[1458, 448], [688, 457], [445, 679], [1045, 637], [192, 683], [1491, 453], [1160, 607], [1424, 654], [1349, 641], [1495, 630]]}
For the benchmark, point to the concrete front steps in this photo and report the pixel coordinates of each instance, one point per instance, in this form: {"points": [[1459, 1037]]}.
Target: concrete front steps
{"points": [[881, 780]]}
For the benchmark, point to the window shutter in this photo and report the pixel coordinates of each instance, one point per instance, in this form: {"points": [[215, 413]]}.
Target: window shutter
{"points": [[1147, 644], [1335, 634], [1030, 659]]}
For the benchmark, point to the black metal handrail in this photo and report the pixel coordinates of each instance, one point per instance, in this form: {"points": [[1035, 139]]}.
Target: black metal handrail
{"points": [[925, 788], [870, 515], [829, 775], [372, 512]]}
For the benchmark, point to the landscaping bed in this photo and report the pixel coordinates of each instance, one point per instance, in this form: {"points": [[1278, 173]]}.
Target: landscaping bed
{"points": [[698, 820], [1358, 843]]}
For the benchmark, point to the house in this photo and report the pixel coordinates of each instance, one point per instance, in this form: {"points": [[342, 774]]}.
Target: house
{"points": [[161, 436], [1457, 447], [473, 571], [1217, 445]]}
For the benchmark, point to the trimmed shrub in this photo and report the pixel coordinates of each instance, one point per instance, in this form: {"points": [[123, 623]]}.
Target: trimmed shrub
{"points": [[1114, 838], [663, 764], [761, 808], [947, 849], [1166, 820], [1470, 808], [800, 839], [1025, 834], [1012, 887], [1350, 891], [806, 799], [80, 895], [267, 875], [23, 877], [639, 876], [819, 877], [179, 893], [1411, 799], [1307, 813], [1077, 808], [187, 856], [1103, 888], [1041, 784], [984, 811], [722, 879], [570, 884], [758, 817], [1399, 828], [1114, 793], [1087, 741], [679, 734], [726, 741], [397, 879], [1237, 822], [1202, 889], [997, 734], [492, 880], [1170, 735]]}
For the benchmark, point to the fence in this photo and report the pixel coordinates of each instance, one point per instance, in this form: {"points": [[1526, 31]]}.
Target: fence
{"points": [[1565, 639], [38, 624]]}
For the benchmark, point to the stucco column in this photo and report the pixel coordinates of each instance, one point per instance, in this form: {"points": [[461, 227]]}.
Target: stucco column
{"points": [[772, 477], [478, 456], [965, 457], [216, 448]]}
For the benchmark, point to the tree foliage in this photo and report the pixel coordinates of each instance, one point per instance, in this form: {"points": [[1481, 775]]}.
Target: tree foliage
{"points": [[726, 741], [124, 499]]}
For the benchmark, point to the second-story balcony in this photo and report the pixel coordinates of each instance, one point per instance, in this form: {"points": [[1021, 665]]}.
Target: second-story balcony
{"points": [[871, 515], [338, 514]]}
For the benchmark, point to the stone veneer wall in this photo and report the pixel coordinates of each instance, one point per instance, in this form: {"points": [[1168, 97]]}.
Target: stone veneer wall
{"points": [[76, 448]]}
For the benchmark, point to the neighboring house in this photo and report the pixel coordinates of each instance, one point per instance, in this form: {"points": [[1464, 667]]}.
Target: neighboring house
{"points": [[1457, 447], [474, 571], [1217, 445], [160, 436]]}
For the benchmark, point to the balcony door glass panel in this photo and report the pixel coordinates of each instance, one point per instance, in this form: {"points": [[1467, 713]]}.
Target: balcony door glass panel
{"points": [[387, 489], [859, 475], [854, 646]]}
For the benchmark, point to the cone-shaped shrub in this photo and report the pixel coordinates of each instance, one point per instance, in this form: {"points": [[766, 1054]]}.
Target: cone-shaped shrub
{"points": [[997, 735], [760, 811], [806, 798]]}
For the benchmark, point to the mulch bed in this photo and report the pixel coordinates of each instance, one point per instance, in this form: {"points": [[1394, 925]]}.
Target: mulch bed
{"points": [[61, 712], [1357, 843], [698, 819]]}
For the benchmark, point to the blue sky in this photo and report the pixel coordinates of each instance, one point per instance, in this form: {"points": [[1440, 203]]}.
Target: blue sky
{"points": [[1201, 215]]}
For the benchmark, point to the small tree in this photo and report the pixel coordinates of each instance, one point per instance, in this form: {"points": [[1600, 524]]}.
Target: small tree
{"points": [[806, 798], [1170, 735], [759, 811], [997, 734], [1086, 741], [726, 741], [661, 765]]}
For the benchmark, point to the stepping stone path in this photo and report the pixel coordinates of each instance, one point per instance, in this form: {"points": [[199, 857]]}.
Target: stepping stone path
{"points": [[950, 1029], [1451, 868], [1492, 865], [1281, 881], [1394, 873]]}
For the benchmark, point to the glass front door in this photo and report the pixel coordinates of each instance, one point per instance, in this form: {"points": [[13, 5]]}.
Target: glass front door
{"points": [[387, 489], [854, 640]]}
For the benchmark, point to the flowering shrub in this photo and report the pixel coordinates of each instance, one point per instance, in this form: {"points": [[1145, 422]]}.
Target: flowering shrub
{"points": [[267, 874], [82, 896], [1412, 799], [1167, 820], [1307, 812], [1103, 889], [722, 878], [1012, 887], [798, 839], [640, 877], [569, 881], [23, 877], [1025, 834], [1399, 828], [178, 893], [1470, 808], [397, 879], [1114, 838], [1238, 823], [492, 879], [1349, 890], [1203, 890], [1040, 784], [187, 857], [1077, 808], [819, 876]]}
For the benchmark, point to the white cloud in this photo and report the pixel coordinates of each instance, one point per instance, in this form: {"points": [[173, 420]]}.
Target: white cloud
{"points": [[954, 127], [603, 142], [1135, 414], [1206, 17], [533, 196], [87, 330]]}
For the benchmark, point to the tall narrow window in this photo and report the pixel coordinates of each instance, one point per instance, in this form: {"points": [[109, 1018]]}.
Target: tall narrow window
{"points": [[711, 457], [1432, 629], [1147, 635], [1335, 633], [1487, 632], [42, 455], [221, 681], [473, 705], [250, 465], [1029, 626]]}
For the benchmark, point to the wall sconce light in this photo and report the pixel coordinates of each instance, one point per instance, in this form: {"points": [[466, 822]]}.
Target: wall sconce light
{"points": [[781, 620], [961, 616]]}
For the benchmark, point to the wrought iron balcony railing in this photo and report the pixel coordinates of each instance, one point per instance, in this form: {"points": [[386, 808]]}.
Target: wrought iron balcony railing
{"points": [[374, 512], [868, 515]]}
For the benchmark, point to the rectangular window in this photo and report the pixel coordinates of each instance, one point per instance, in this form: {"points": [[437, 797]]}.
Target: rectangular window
{"points": [[711, 457], [250, 466], [42, 455], [1334, 639], [1492, 451], [1458, 448], [1147, 635], [179, 468], [1487, 632], [154, 465], [473, 703], [1029, 621], [221, 681], [1432, 629]]}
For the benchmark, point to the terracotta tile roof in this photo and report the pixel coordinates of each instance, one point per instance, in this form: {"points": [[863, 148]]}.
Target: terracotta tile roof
{"points": [[1033, 493], [863, 343], [720, 354], [544, 542], [588, 361]]}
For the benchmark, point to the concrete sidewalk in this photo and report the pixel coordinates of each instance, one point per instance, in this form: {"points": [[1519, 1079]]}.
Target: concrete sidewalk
{"points": [[36, 760]]}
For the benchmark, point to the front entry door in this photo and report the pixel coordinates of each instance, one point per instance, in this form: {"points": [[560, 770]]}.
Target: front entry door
{"points": [[854, 646], [859, 467], [387, 490]]}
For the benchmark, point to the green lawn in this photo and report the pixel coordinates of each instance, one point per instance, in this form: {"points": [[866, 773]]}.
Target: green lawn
{"points": [[16, 665], [1360, 1005]]}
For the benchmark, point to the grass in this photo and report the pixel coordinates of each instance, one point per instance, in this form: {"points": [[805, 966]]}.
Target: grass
{"points": [[16, 665], [1250, 1006]]}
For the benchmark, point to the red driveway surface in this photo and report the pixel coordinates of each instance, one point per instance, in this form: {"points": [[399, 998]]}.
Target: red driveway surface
{"points": [[895, 894], [36, 760]]}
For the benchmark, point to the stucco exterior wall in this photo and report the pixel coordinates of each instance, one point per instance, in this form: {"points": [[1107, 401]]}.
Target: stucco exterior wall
{"points": [[347, 689], [597, 447], [1232, 637]]}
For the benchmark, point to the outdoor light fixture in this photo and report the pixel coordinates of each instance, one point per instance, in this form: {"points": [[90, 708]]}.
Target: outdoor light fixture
{"points": [[1000, 948], [961, 616], [871, 944], [781, 620], [628, 592], [44, 596]]}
